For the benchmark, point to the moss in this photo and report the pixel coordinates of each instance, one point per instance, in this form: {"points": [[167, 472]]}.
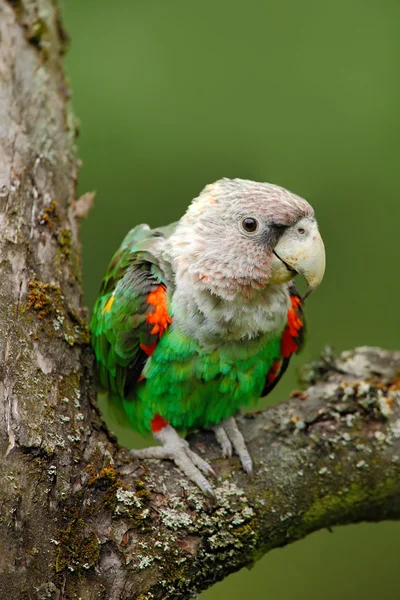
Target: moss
{"points": [[339, 507], [50, 216], [17, 6], [134, 503], [141, 492], [37, 32], [81, 327], [139, 522], [246, 534], [42, 298], [109, 482], [69, 387], [67, 254], [394, 385], [109, 499], [330, 504], [110, 495], [64, 238], [106, 476], [47, 301], [79, 548]]}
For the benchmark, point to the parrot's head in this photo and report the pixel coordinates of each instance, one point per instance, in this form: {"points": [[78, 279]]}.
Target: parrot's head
{"points": [[240, 236]]}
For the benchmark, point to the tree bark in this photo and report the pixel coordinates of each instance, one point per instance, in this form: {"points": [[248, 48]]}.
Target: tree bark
{"points": [[80, 518]]}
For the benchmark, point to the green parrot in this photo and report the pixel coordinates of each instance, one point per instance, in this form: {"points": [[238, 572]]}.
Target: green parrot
{"points": [[199, 318]]}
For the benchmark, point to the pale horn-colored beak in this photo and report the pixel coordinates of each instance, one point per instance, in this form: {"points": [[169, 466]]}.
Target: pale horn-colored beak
{"points": [[303, 253]]}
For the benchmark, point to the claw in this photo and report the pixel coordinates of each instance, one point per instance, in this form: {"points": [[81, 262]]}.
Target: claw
{"points": [[228, 435], [200, 463], [223, 440], [177, 449]]}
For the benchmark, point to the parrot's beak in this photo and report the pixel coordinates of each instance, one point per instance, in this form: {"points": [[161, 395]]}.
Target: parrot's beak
{"points": [[302, 250]]}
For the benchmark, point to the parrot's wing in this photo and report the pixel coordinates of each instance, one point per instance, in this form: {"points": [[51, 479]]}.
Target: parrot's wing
{"points": [[131, 313], [291, 342]]}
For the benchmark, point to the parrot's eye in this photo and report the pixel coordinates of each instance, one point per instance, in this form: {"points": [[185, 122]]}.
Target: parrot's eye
{"points": [[249, 224]]}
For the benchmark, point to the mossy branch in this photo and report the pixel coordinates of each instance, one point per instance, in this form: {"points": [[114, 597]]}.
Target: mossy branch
{"points": [[81, 519]]}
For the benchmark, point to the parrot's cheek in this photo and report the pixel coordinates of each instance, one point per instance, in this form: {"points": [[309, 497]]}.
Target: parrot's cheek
{"points": [[279, 272]]}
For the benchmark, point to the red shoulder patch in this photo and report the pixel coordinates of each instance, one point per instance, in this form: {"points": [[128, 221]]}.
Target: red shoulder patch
{"points": [[274, 371], [148, 350], [158, 318], [290, 341]]}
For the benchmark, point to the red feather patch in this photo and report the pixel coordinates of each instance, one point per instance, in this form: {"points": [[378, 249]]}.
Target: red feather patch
{"points": [[274, 371], [158, 423], [291, 335]]}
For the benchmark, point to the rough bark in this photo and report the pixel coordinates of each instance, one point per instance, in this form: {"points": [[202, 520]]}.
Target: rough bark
{"points": [[79, 518]]}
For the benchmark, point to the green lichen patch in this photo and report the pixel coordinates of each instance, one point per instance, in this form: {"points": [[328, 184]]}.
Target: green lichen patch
{"points": [[133, 504], [341, 506], [78, 548]]}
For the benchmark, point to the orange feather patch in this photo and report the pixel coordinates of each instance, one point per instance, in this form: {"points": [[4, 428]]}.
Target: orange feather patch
{"points": [[159, 317]]}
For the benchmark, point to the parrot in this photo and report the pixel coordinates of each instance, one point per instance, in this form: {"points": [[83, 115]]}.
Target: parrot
{"points": [[199, 319]]}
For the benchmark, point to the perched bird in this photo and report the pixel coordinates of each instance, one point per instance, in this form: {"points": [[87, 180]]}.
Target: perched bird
{"points": [[199, 318]]}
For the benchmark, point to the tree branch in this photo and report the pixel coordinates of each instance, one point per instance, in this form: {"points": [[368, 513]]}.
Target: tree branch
{"points": [[79, 517]]}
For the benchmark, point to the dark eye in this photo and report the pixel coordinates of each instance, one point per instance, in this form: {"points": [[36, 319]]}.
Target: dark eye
{"points": [[301, 230], [250, 224]]}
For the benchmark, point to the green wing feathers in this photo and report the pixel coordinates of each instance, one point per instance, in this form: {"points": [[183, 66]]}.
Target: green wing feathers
{"points": [[130, 314]]}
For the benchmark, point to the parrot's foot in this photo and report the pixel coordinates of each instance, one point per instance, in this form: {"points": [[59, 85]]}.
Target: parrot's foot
{"points": [[177, 449], [228, 434]]}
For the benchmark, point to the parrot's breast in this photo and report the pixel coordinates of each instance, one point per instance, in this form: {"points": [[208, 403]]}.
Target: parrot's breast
{"points": [[195, 387], [214, 321]]}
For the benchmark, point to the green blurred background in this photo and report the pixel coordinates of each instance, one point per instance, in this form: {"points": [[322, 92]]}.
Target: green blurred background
{"points": [[174, 94]]}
